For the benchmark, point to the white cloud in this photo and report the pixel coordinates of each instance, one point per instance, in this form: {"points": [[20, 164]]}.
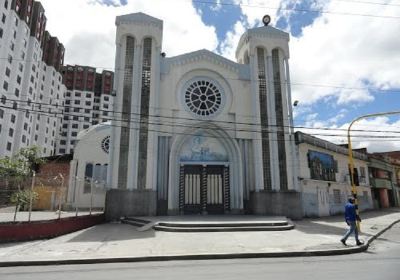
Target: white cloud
{"points": [[217, 6], [87, 28], [379, 134], [228, 47], [346, 51]]}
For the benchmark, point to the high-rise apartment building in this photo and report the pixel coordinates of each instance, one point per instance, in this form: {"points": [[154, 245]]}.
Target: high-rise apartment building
{"points": [[88, 101], [31, 85]]}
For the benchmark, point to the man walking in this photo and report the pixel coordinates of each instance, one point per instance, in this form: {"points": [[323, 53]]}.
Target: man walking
{"points": [[351, 219]]}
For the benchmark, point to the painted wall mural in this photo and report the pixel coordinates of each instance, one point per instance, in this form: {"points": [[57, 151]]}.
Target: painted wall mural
{"points": [[322, 166], [203, 148]]}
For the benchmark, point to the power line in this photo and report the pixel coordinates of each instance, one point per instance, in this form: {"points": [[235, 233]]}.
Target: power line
{"points": [[139, 115], [188, 125], [321, 11]]}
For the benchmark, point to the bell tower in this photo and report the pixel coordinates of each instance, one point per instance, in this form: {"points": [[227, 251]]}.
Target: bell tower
{"points": [[137, 78], [266, 50]]}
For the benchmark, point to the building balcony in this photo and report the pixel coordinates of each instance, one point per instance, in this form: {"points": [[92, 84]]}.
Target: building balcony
{"points": [[381, 183]]}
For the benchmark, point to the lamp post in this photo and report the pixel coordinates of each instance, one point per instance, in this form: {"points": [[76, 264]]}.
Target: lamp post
{"points": [[350, 150]]}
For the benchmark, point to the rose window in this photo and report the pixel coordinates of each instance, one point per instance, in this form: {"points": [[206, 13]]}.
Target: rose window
{"points": [[203, 98], [105, 144]]}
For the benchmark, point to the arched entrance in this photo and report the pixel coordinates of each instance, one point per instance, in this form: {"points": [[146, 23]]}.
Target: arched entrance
{"points": [[205, 174]]}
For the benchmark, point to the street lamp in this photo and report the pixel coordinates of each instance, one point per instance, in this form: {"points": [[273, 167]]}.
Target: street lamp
{"points": [[350, 150]]}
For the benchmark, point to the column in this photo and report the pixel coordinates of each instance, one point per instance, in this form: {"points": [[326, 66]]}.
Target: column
{"points": [[257, 151], [272, 126]]}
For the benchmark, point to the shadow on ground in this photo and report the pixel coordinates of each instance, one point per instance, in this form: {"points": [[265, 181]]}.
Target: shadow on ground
{"points": [[111, 232]]}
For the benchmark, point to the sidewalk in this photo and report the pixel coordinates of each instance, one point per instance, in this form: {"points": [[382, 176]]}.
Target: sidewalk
{"points": [[114, 242]]}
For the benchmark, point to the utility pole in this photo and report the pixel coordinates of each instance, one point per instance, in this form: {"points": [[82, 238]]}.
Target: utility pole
{"points": [[60, 196], [31, 195], [350, 150]]}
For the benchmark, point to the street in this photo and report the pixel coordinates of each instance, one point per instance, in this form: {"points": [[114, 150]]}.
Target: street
{"points": [[381, 261]]}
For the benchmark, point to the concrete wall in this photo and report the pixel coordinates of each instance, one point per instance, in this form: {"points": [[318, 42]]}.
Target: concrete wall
{"points": [[287, 204], [121, 203], [22, 231], [318, 195]]}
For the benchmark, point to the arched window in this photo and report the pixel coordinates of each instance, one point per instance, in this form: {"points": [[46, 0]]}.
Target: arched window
{"points": [[88, 178]]}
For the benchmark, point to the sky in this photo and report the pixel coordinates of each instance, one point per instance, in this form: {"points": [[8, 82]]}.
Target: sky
{"points": [[344, 54]]}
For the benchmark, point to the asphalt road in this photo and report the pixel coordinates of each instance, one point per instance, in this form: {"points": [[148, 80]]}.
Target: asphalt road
{"points": [[381, 261]]}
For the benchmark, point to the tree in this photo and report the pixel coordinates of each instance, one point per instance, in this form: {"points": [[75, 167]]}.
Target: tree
{"points": [[19, 168]]}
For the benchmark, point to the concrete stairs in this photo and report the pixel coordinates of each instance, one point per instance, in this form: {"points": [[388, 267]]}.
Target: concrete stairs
{"points": [[210, 223]]}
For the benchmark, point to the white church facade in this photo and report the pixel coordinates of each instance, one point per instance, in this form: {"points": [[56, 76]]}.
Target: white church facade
{"points": [[198, 133]]}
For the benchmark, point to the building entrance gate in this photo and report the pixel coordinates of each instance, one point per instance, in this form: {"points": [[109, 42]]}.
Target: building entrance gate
{"points": [[204, 189]]}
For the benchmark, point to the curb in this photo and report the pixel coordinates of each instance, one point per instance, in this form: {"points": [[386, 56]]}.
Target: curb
{"points": [[331, 252]]}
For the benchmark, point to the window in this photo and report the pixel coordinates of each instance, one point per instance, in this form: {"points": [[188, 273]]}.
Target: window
{"points": [[12, 118], [10, 59], [9, 145], [19, 79], [106, 98], [3, 18], [203, 97], [105, 144], [21, 67], [1, 32], [16, 92], [76, 109], [88, 178], [74, 134], [362, 175], [1, 113], [25, 126], [88, 103], [77, 102], [85, 126], [75, 125], [5, 85], [11, 132], [336, 197], [8, 71], [77, 94], [23, 138]]}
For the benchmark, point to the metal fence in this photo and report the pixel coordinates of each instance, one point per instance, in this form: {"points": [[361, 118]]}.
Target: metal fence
{"points": [[48, 197]]}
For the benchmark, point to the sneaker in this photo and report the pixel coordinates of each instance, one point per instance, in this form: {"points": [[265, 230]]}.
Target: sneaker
{"points": [[359, 243], [343, 241]]}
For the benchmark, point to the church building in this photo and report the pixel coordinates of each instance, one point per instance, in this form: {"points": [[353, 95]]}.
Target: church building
{"points": [[198, 133]]}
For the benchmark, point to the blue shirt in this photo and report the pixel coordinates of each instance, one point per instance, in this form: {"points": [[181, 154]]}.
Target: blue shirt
{"points": [[350, 212]]}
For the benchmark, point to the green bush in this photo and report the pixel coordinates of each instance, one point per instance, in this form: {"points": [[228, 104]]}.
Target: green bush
{"points": [[21, 198]]}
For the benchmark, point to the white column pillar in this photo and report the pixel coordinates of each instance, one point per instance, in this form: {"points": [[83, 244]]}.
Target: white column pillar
{"points": [[152, 147], [112, 172], [294, 158], [272, 127], [257, 136], [135, 117]]}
